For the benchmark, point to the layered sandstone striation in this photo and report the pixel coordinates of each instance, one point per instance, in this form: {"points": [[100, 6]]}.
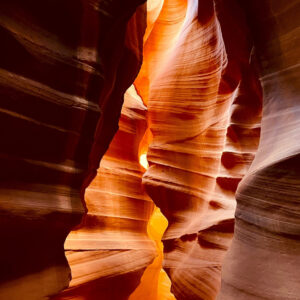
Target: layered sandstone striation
{"points": [[64, 67], [110, 250], [193, 120], [204, 111], [164, 20], [264, 259]]}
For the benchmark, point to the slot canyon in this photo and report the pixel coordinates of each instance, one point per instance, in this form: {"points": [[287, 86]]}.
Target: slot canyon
{"points": [[150, 150]]}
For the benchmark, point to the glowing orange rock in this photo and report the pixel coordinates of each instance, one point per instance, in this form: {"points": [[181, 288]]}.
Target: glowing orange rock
{"points": [[200, 148], [62, 82], [165, 20], [155, 284], [111, 247]]}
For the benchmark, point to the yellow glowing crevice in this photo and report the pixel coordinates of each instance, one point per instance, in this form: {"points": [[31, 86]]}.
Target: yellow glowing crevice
{"points": [[144, 161], [155, 283]]}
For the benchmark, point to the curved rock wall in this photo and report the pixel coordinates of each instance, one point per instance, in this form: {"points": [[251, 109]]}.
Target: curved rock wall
{"points": [[164, 20], [64, 67], [263, 261], [204, 113], [62, 80], [110, 250]]}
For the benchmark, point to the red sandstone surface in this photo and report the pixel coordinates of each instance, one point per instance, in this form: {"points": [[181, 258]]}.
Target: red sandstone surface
{"points": [[149, 151]]}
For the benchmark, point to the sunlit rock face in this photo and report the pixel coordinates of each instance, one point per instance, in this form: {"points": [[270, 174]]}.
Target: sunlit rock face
{"points": [[64, 67], [264, 259], [164, 20], [110, 250], [188, 132], [204, 111]]}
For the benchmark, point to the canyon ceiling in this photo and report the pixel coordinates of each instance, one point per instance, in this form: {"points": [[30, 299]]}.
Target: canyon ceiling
{"points": [[150, 151]]}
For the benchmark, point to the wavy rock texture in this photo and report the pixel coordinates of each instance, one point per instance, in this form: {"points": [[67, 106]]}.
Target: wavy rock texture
{"points": [[64, 67], [204, 112], [164, 20], [264, 259], [111, 249]]}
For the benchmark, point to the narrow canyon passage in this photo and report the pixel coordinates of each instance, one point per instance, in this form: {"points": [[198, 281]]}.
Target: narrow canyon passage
{"points": [[149, 150], [195, 147]]}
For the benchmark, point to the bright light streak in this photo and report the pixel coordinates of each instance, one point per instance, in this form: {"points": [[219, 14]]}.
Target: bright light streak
{"points": [[144, 161]]}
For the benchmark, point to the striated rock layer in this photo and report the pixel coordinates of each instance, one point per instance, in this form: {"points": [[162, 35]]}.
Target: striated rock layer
{"points": [[204, 112], [64, 67], [264, 259], [164, 20], [110, 250]]}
